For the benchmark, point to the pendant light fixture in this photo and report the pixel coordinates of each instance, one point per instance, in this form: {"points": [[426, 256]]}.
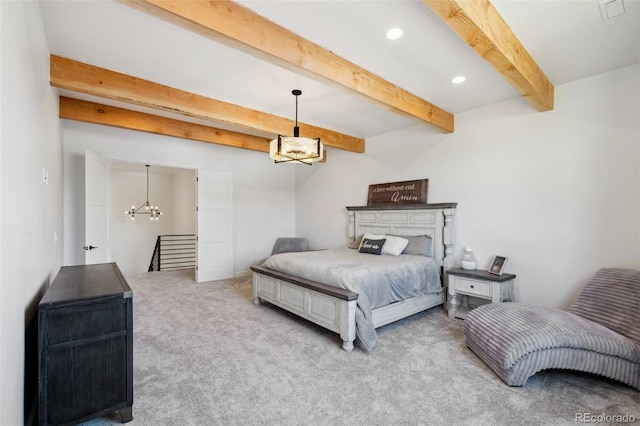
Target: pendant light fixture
{"points": [[153, 211], [295, 149]]}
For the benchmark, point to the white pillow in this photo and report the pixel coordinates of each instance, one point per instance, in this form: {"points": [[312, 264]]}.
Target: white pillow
{"points": [[371, 237], [394, 245]]}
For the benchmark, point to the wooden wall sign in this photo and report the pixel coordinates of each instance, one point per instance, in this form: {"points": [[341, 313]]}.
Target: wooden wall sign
{"points": [[407, 192]]}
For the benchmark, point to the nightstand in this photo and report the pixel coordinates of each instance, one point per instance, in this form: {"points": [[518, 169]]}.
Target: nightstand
{"points": [[477, 283]]}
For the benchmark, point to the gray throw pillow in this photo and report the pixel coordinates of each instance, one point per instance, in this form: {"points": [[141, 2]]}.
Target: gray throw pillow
{"points": [[419, 244], [355, 244]]}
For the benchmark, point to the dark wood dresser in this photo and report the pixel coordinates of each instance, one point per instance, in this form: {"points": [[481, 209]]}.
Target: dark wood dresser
{"points": [[85, 346]]}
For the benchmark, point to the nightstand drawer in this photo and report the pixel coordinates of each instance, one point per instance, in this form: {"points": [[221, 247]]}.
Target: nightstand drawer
{"points": [[479, 284], [473, 287]]}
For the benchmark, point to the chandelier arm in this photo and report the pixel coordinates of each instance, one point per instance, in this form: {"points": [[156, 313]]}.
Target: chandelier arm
{"points": [[292, 160], [310, 157], [143, 205]]}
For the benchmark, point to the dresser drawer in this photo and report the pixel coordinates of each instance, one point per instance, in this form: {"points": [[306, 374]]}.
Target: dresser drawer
{"points": [[473, 287], [78, 323]]}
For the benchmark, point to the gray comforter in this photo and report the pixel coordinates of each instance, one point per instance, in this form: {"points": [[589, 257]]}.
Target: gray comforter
{"points": [[378, 280]]}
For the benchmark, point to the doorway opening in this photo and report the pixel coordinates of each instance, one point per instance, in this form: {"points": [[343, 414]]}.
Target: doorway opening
{"points": [[172, 189]]}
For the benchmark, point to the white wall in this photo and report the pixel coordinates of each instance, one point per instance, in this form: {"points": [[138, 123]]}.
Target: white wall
{"points": [[557, 192], [264, 192], [184, 202], [30, 215]]}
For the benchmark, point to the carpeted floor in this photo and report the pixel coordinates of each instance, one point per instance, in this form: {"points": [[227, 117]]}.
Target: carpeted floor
{"points": [[204, 354]]}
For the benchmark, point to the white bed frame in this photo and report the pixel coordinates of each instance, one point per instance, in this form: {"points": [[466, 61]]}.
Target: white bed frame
{"points": [[335, 308]]}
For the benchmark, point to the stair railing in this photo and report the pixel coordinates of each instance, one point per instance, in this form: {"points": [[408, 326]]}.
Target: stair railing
{"points": [[172, 252]]}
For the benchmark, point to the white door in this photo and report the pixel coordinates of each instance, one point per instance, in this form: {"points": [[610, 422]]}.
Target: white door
{"points": [[97, 202], [214, 226]]}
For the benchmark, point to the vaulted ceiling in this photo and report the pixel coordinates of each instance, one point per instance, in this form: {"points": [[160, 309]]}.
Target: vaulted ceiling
{"points": [[222, 72]]}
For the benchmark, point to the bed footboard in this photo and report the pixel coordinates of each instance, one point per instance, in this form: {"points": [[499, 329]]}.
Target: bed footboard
{"points": [[330, 307]]}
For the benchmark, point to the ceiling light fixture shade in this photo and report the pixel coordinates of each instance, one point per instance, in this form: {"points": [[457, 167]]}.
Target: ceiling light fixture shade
{"points": [[153, 211], [394, 33], [294, 149]]}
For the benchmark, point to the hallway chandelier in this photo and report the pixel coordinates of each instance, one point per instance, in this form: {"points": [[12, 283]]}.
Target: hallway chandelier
{"points": [[294, 149], [153, 211]]}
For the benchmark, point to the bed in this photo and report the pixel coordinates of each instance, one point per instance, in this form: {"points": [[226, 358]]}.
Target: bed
{"points": [[315, 285]]}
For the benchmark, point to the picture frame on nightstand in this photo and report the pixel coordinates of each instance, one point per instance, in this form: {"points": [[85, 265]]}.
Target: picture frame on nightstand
{"points": [[498, 264]]}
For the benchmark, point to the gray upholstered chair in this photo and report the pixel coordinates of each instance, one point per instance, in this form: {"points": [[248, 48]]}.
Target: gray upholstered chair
{"points": [[286, 245], [600, 333], [290, 244]]}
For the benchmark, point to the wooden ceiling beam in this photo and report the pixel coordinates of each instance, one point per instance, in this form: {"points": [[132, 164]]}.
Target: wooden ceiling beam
{"points": [[234, 25], [91, 112], [480, 25], [79, 77]]}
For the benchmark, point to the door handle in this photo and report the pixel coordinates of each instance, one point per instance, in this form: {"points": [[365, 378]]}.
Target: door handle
{"points": [[90, 247]]}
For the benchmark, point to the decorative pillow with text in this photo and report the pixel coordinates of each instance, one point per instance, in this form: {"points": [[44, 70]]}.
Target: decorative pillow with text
{"points": [[370, 237], [371, 246]]}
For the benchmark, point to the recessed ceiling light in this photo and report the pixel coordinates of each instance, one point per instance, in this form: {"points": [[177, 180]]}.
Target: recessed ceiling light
{"points": [[394, 33], [458, 79]]}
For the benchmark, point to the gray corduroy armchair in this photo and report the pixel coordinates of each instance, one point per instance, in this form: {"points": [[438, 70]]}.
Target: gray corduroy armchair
{"points": [[287, 245], [290, 244], [600, 333]]}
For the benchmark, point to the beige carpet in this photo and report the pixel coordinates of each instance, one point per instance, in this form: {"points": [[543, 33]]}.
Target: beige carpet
{"points": [[204, 354]]}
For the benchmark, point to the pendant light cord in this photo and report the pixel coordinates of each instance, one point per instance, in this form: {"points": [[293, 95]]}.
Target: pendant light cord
{"points": [[296, 129], [147, 183]]}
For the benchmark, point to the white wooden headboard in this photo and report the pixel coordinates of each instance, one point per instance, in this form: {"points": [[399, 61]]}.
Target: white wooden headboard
{"points": [[434, 220]]}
